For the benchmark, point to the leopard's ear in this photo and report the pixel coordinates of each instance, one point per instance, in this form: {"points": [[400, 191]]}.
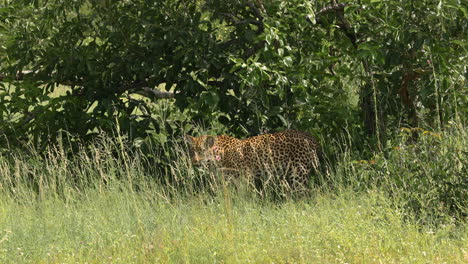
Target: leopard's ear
{"points": [[209, 141]]}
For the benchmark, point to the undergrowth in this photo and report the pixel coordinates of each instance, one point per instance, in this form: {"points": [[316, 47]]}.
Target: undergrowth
{"points": [[424, 172], [107, 204]]}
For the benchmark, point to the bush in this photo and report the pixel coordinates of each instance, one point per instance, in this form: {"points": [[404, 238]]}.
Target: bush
{"points": [[426, 177], [82, 66]]}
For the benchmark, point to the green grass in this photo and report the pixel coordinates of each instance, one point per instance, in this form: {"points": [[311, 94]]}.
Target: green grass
{"points": [[104, 207], [126, 227]]}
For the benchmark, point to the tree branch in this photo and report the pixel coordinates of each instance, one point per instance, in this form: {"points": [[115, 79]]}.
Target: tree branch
{"points": [[258, 15], [332, 7], [18, 77], [251, 51], [154, 94], [256, 11], [344, 25], [138, 87]]}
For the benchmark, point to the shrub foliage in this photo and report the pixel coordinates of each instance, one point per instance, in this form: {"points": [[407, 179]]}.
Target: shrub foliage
{"points": [[76, 66], [427, 179]]}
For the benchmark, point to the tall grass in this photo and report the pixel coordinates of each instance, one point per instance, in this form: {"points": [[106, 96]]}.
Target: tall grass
{"points": [[103, 204], [426, 177]]}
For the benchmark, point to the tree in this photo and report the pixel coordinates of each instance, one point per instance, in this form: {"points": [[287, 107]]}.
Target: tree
{"points": [[248, 65]]}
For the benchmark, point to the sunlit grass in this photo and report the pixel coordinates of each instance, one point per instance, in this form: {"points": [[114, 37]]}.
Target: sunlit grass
{"points": [[119, 226], [104, 207]]}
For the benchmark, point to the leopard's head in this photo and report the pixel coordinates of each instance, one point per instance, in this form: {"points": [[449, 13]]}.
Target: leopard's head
{"points": [[201, 149]]}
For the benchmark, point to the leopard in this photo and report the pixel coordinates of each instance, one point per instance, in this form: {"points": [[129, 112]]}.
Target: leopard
{"points": [[289, 155]]}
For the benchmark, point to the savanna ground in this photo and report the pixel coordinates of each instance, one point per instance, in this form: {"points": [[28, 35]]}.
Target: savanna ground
{"points": [[103, 206]]}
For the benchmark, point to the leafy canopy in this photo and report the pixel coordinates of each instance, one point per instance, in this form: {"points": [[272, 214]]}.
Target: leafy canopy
{"points": [[87, 65]]}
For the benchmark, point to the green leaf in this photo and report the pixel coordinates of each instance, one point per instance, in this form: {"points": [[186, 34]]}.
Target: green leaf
{"points": [[210, 98]]}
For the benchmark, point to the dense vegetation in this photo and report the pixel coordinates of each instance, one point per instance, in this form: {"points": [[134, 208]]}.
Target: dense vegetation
{"points": [[95, 95], [104, 206], [368, 67]]}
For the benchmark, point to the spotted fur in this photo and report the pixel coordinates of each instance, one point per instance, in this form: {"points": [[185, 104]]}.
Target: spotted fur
{"points": [[291, 153]]}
